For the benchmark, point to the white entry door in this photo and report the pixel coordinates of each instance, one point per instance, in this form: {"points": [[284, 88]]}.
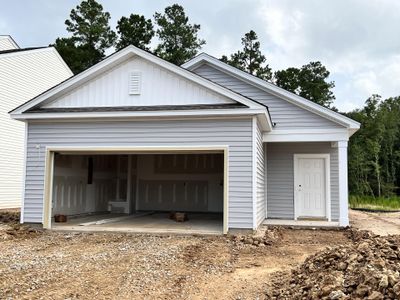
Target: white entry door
{"points": [[311, 185]]}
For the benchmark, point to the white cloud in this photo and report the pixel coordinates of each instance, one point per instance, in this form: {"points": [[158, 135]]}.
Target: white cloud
{"points": [[356, 40], [366, 82]]}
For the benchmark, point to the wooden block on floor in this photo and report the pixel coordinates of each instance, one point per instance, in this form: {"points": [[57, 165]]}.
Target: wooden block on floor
{"points": [[179, 216]]}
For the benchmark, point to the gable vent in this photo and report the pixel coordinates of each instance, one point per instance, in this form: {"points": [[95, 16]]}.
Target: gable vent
{"points": [[135, 81]]}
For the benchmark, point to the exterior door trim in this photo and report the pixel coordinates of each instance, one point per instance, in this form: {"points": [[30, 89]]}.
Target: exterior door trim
{"points": [[326, 158]]}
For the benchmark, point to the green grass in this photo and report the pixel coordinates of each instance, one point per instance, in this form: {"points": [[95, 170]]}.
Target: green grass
{"points": [[375, 203]]}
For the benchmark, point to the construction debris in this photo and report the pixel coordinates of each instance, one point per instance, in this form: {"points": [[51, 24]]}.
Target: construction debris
{"points": [[16, 231], [70, 265], [368, 268], [263, 237], [9, 216]]}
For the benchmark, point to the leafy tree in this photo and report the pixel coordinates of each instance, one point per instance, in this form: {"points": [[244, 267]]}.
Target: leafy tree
{"points": [[135, 30], [310, 82], [76, 57], [91, 36], [178, 38], [289, 79], [250, 59], [374, 151]]}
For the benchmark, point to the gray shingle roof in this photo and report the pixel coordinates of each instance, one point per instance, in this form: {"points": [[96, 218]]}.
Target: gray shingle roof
{"points": [[136, 108]]}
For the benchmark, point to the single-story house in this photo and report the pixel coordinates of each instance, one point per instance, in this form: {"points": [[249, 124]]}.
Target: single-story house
{"points": [[24, 74], [135, 133]]}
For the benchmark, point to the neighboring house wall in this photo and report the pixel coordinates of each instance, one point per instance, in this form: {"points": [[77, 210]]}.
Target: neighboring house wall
{"points": [[23, 75], [260, 175], [6, 43], [158, 86], [280, 177], [283, 113], [237, 133]]}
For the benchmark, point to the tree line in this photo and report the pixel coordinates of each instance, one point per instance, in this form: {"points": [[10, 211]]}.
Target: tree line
{"points": [[374, 151], [374, 167], [178, 41]]}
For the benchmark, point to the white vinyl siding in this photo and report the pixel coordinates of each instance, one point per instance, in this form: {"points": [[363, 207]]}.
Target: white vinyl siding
{"points": [[236, 133], [6, 43], [260, 177], [23, 75], [286, 115], [280, 177], [158, 86]]}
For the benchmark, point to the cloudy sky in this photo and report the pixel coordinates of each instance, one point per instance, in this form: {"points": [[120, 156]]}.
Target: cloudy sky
{"points": [[357, 40]]}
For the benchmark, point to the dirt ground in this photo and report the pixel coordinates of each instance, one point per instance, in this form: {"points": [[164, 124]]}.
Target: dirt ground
{"points": [[56, 265], [378, 223]]}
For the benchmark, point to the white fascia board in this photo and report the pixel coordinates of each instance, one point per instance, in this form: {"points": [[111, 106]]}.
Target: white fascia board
{"points": [[118, 57], [139, 114], [306, 135], [273, 89], [265, 121]]}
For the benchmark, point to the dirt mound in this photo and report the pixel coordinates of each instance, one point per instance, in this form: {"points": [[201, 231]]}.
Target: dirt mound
{"points": [[16, 230], [264, 237], [9, 216], [367, 268]]}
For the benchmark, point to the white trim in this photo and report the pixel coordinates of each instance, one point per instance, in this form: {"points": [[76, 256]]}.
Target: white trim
{"points": [[146, 114], [21, 218], [326, 157], [343, 183], [49, 169], [306, 135], [226, 190], [254, 171], [129, 185], [262, 115], [300, 223], [117, 58], [141, 119], [48, 189], [265, 145], [273, 89]]}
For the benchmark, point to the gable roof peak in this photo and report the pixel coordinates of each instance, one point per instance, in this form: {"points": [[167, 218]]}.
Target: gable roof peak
{"points": [[204, 58], [119, 57]]}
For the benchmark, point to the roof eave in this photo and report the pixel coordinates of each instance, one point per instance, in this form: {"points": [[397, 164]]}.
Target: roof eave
{"points": [[120, 56], [204, 58], [142, 114]]}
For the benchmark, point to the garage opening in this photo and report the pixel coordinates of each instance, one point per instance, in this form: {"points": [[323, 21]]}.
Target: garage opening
{"points": [[140, 192]]}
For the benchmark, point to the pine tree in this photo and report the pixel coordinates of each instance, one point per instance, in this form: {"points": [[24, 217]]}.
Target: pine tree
{"points": [[250, 59], [178, 38]]}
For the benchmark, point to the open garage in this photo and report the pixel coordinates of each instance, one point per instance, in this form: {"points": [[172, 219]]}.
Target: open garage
{"points": [[140, 191]]}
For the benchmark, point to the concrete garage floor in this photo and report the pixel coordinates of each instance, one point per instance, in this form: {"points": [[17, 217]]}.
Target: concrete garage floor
{"points": [[198, 223]]}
